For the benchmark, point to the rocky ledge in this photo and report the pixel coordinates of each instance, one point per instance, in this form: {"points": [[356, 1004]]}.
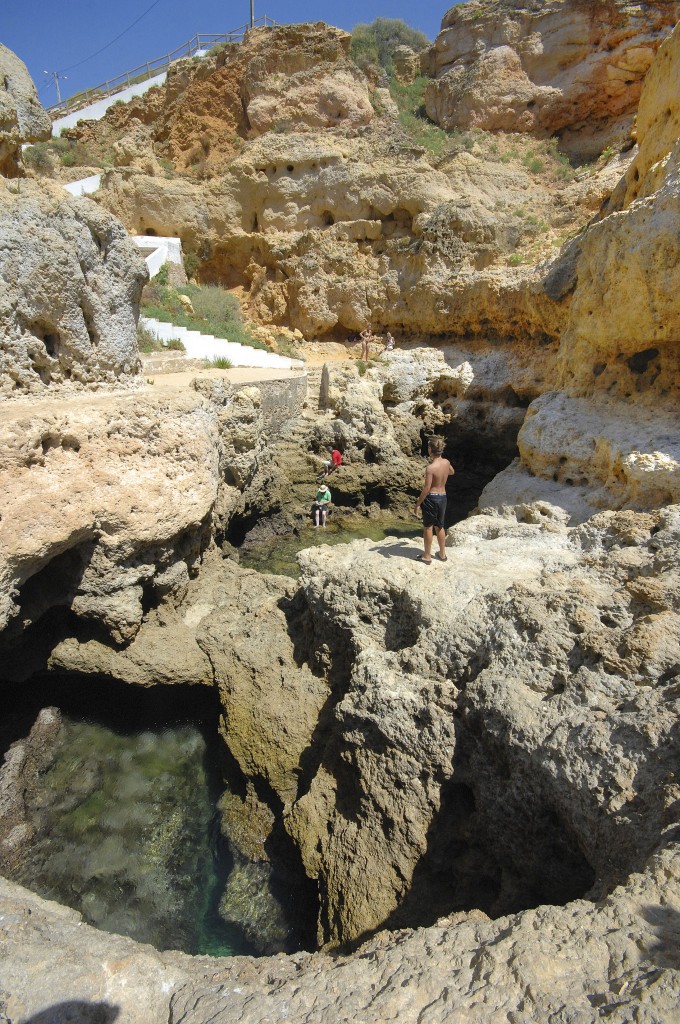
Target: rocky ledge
{"points": [[497, 732]]}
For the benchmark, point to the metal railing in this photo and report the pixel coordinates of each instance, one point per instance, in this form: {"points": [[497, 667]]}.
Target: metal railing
{"points": [[198, 43]]}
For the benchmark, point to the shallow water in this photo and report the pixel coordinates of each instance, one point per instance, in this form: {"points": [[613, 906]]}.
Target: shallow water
{"points": [[125, 833], [278, 556]]}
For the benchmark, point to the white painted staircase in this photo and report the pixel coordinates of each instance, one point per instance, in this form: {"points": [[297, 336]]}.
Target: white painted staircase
{"points": [[205, 346]]}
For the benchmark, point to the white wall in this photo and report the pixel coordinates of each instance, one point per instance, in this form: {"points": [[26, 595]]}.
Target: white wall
{"points": [[94, 111], [84, 186]]}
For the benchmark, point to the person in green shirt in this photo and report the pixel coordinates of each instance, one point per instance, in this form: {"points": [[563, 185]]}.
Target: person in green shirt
{"points": [[321, 503]]}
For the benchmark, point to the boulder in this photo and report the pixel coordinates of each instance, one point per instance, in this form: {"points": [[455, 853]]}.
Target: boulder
{"points": [[70, 284], [22, 118]]}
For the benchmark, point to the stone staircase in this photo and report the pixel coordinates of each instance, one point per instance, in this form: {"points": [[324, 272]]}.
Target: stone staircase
{"points": [[205, 346]]}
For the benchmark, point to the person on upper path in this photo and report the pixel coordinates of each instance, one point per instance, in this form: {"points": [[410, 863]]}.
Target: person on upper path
{"points": [[432, 498], [321, 503]]}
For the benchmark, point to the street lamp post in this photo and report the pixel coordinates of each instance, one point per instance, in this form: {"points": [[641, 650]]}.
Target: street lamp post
{"points": [[55, 76]]}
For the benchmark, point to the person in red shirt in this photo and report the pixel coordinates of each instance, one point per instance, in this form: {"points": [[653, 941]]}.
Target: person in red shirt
{"points": [[333, 463]]}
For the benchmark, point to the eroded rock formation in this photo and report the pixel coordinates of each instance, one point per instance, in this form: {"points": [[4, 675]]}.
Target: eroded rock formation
{"points": [[431, 746], [560, 67], [22, 118], [518, 735], [108, 503], [70, 282], [619, 349]]}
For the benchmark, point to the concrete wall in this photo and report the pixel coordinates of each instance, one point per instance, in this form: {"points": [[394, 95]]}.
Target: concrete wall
{"points": [[282, 400], [85, 186], [94, 111]]}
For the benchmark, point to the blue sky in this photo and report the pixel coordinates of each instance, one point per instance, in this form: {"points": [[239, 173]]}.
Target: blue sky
{"points": [[51, 36]]}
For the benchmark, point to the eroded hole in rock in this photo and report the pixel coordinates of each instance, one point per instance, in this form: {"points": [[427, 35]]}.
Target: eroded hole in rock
{"points": [[113, 798], [495, 845], [639, 362], [52, 586], [477, 454], [51, 343]]}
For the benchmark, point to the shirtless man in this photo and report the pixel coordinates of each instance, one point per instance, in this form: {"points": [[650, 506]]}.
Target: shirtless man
{"points": [[433, 499], [366, 339]]}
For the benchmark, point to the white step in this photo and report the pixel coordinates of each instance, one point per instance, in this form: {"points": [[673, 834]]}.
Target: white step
{"points": [[205, 346]]}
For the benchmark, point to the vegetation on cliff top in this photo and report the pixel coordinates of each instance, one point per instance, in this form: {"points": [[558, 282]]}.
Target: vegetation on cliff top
{"points": [[215, 311], [375, 43]]}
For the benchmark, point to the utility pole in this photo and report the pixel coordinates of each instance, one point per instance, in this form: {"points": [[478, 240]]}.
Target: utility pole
{"points": [[56, 75], [252, 13]]}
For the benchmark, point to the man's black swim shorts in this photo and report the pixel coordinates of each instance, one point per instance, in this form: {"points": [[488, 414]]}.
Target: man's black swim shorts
{"points": [[434, 510]]}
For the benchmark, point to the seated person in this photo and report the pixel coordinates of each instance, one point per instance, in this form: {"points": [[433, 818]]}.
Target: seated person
{"points": [[321, 503], [330, 465]]}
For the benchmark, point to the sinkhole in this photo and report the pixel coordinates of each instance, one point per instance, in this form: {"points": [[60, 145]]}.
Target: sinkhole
{"points": [[112, 807]]}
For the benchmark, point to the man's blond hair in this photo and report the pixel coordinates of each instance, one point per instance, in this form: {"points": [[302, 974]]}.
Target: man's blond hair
{"points": [[436, 445]]}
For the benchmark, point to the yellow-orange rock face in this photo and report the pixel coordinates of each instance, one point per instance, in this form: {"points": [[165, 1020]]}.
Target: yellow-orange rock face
{"points": [[549, 67]]}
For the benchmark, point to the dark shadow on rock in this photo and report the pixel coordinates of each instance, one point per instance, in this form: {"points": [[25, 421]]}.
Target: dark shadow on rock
{"points": [[75, 1012], [665, 921], [402, 550]]}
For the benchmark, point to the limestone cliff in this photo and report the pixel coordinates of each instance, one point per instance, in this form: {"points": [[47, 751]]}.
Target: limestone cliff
{"points": [[70, 279], [613, 423], [571, 68]]}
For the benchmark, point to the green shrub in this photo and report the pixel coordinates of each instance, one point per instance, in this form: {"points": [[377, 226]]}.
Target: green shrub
{"points": [[38, 157], [175, 345], [361, 367], [285, 347], [375, 43], [409, 98], [161, 277], [147, 341], [191, 264], [219, 363], [68, 159], [216, 311]]}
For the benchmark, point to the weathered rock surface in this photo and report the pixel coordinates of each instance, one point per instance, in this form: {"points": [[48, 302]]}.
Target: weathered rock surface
{"points": [[322, 87], [22, 118], [658, 125], [270, 706], [280, 78], [610, 430], [330, 235], [101, 498], [472, 727], [24, 762], [329, 226], [576, 69], [627, 963], [591, 454], [530, 714], [70, 283]]}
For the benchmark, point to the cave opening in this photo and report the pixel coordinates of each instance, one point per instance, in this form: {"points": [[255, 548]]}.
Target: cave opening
{"points": [[115, 811], [477, 457]]}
